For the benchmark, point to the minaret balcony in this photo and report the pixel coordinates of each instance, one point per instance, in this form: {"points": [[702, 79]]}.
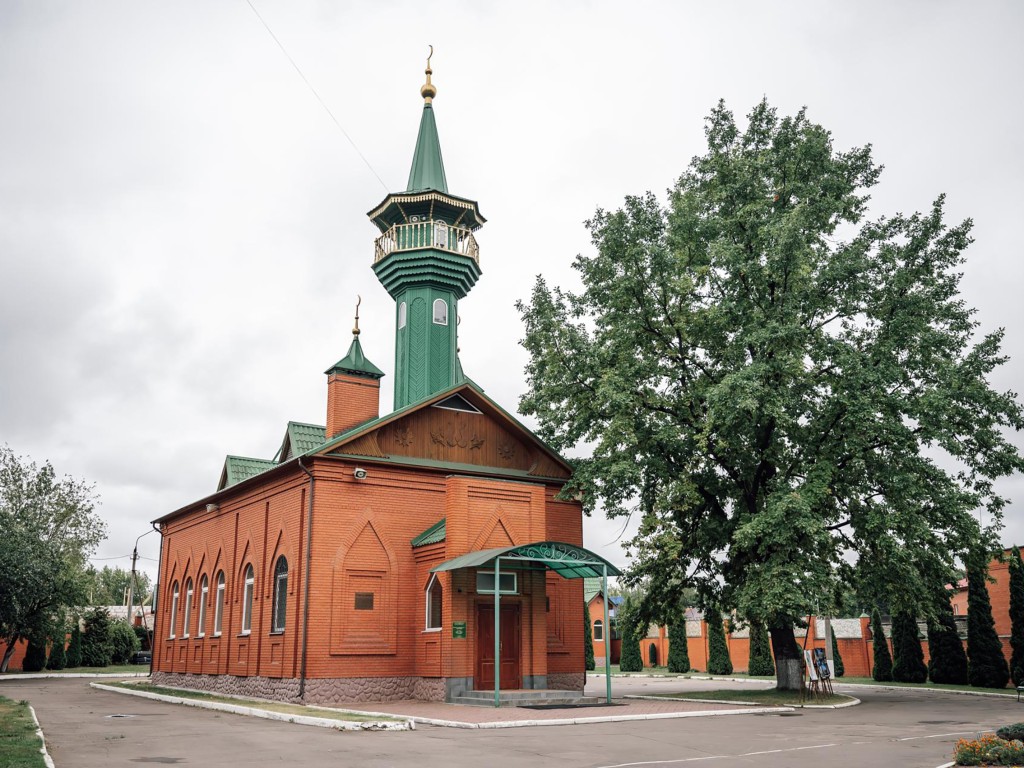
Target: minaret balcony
{"points": [[430, 233]]}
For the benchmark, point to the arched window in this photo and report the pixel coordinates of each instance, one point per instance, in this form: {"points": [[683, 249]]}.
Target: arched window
{"points": [[174, 608], [402, 309], [188, 608], [250, 583], [204, 598], [434, 594], [280, 593], [218, 612], [440, 312], [599, 630]]}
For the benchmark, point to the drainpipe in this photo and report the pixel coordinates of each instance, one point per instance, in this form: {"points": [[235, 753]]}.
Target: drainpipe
{"points": [[305, 582], [159, 568]]}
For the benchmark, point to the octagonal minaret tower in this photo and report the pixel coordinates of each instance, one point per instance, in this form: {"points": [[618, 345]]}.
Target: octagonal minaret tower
{"points": [[427, 259]]}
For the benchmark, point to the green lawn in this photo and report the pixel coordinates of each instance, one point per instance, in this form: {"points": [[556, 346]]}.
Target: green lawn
{"points": [[769, 696], [113, 669], [19, 745], [272, 706]]}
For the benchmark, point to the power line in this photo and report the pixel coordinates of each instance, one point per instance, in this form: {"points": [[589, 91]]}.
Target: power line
{"points": [[317, 95]]}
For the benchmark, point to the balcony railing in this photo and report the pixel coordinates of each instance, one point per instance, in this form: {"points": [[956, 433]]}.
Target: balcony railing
{"points": [[427, 234]]}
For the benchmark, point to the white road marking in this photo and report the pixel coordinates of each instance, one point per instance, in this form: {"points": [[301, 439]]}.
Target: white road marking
{"points": [[716, 757]]}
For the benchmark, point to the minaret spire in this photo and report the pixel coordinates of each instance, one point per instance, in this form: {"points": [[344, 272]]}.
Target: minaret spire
{"points": [[427, 170]]}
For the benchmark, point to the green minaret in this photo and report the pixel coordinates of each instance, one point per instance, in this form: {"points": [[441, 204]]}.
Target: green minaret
{"points": [[427, 259]]}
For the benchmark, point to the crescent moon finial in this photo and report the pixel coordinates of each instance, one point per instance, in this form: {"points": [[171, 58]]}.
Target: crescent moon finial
{"points": [[359, 300], [428, 91]]}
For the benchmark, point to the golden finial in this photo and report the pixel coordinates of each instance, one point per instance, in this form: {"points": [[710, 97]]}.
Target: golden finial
{"points": [[428, 91], [359, 300]]}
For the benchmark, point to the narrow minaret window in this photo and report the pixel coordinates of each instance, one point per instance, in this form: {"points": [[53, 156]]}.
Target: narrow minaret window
{"points": [[440, 312], [401, 315]]}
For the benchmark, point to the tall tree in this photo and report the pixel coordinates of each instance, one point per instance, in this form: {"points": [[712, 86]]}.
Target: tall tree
{"points": [[109, 586], [49, 529], [882, 668], [1017, 617], [986, 665], [719, 660], [630, 626], [765, 379], [678, 649], [588, 640], [947, 661], [908, 658], [837, 659], [761, 663]]}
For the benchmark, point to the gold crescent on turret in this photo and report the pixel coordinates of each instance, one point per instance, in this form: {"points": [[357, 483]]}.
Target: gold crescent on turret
{"points": [[428, 91]]}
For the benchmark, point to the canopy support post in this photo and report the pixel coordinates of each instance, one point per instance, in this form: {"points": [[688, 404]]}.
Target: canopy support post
{"points": [[607, 637], [497, 631]]}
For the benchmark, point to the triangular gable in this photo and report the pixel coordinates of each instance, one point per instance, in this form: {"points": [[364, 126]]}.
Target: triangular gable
{"points": [[300, 438], [475, 433], [239, 468]]}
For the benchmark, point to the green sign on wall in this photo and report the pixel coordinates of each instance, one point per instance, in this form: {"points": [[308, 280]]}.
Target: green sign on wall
{"points": [[459, 629]]}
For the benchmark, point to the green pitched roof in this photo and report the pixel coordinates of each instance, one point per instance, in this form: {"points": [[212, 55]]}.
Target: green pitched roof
{"points": [[355, 362], [591, 587], [300, 438], [239, 468], [427, 170], [432, 535]]}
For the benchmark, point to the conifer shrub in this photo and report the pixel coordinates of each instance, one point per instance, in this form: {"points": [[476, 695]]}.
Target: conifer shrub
{"points": [[986, 665], [75, 646], [882, 670], [1013, 732], [678, 653], [35, 655], [97, 648], [908, 658], [719, 662], [947, 661], [761, 662], [1016, 617], [837, 659], [588, 640], [123, 642], [628, 623], [58, 656]]}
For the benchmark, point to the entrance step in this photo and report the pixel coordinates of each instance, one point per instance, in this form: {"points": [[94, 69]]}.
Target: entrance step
{"points": [[527, 698]]}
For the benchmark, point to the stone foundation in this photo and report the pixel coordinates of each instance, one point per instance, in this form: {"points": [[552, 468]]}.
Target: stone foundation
{"points": [[566, 681], [322, 691]]}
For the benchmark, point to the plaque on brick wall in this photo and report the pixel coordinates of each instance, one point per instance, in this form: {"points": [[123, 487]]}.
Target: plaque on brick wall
{"points": [[459, 629]]}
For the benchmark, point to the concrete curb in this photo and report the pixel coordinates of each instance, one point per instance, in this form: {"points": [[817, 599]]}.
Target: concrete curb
{"points": [[70, 675], [946, 765], [320, 722], [39, 732], [588, 720], [854, 701], [928, 690]]}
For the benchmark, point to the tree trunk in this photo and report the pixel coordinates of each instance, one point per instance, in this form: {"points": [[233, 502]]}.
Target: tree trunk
{"points": [[789, 673], [8, 652]]}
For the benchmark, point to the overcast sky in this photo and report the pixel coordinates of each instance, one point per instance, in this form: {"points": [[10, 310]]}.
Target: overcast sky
{"points": [[183, 229]]}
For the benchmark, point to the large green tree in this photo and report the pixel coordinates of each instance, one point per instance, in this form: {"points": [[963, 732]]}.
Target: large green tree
{"points": [[773, 385], [986, 664], [1017, 617], [49, 528], [109, 586]]}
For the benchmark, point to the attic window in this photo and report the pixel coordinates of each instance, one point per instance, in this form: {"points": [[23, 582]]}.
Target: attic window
{"points": [[457, 403]]}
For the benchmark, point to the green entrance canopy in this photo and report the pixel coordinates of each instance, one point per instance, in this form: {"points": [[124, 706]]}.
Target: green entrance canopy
{"points": [[567, 560]]}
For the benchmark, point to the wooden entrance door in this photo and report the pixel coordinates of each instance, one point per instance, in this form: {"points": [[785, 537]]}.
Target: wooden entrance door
{"points": [[511, 632]]}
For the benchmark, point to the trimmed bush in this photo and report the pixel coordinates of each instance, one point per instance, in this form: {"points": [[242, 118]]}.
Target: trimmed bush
{"points": [[986, 665], [588, 640], [58, 656], [1017, 617], [882, 670], [96, 646], [75, 646], [123, 642], [1013, 732], [35, 655], [947, 661], [761, 662], [837, 660], [678, 653], [719, 662], [628, 623], [908, 663]]}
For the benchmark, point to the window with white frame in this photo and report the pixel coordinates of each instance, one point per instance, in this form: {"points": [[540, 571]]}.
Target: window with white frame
{"points": [[440, 312], [402, 311], [174, 608], [434, 595], [204, 597], [218, 610], [250, 582], [599, 630], [280, 593], [187, 619]]}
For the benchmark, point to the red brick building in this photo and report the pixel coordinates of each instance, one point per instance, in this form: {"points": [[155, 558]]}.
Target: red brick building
{"points": [[359, 562]]}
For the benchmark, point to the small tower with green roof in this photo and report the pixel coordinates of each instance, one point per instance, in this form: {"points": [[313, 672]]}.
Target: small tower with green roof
{"points": [[427, 259], [353, 388]]}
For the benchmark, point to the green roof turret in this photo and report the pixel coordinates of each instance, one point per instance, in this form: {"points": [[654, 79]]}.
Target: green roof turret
{"points": [[355, 362], [427, 170]]}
